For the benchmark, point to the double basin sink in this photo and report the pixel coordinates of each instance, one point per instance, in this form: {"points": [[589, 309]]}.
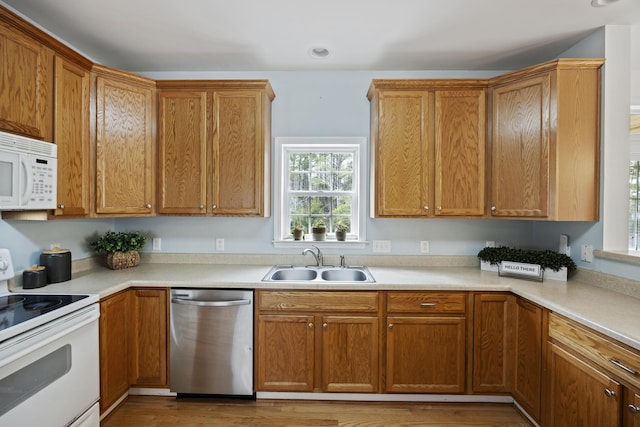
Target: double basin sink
{"points": [[327, 274]]}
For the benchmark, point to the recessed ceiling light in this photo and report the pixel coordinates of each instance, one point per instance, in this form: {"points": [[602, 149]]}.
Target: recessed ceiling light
{"points": [[602, 3], [319, 52]]}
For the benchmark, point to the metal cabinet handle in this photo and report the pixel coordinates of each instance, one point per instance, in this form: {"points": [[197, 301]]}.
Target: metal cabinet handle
{"points": [[426, 208], [633, 409], [214, 206], [148, 206], [390, 326], [310, 325], [61, 206], [324, 325], [428, 304], [201, 206], [210, 303], [439, 208], [493, 208], [623, 367], [609, 393]]}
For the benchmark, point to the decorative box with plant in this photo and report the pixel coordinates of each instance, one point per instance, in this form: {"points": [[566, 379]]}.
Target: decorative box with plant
{"points": [[547, 259], [319, 230], [121, 248]]}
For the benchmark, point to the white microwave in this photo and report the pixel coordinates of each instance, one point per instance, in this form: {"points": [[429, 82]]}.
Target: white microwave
{"points": [[28, 173]]}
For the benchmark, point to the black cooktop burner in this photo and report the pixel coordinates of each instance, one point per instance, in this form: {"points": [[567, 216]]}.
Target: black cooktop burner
{"points": [[18, 308]]}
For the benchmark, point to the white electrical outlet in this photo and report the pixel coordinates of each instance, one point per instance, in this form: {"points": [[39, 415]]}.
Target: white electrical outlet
{"points": [[219, 244], [157, 244], [382, 246], [587, 253], [424, 246], [564, 245]]}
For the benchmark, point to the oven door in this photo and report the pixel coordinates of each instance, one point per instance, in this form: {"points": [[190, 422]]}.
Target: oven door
{"points": [[49, 376]]}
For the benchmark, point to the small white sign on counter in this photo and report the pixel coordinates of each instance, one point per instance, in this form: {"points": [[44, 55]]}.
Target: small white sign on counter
{"points": [[520, 270]]}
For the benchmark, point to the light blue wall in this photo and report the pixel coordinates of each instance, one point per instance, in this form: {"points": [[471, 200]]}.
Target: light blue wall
{"points": [[310, 104]]}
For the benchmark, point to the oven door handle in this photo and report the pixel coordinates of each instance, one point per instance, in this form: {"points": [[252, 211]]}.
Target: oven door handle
{"points": [[210, 303], [39, 337]]}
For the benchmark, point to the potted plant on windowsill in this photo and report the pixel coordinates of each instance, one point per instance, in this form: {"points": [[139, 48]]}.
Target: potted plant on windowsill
{"points": [[341, 232], [297, 231], [318, 231], [121, 248], [556, 266]]}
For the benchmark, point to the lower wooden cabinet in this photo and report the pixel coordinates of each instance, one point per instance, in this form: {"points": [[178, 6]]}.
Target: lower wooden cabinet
{"points": [[631, 409], [579, 394], [528, 347], [133, 346], [114, 349], [317, 341], [426, 342], [148, 338]]}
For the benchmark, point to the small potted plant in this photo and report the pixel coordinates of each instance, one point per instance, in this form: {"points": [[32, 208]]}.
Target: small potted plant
{"points": [[341, 231], [297, 231], [319, 230], [121, 248], [556, 266]]}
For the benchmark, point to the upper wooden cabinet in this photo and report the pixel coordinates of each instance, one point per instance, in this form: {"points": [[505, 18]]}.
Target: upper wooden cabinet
{"points": [[546, 141], [26, 81], [427, 147], [215, 140], [124, 143], [71, 135]]}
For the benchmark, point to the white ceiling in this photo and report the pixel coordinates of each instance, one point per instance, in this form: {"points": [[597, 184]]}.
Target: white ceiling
{"points": [[276, 35]]}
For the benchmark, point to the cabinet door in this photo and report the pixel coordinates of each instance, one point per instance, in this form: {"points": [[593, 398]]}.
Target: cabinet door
{"points": [[350, 354], [148, 334], [182, 152], [425, 355], [124, 147], [238, 153], [114, 349], [528, 357], [26, 79], [71, 135], [520, 157], [631, 409], [492, 343], [460, 118], [580, 395], [285, 353], [402, 154]]}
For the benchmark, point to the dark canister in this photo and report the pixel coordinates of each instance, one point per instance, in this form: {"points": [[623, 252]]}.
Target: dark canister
{"points": [[58, 264], [34, 277]]}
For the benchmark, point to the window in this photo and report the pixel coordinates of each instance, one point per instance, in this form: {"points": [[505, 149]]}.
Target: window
{"points": [[320, 180]]}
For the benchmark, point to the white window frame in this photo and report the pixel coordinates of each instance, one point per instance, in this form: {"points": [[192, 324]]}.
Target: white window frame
{"points": [[284, 145]]}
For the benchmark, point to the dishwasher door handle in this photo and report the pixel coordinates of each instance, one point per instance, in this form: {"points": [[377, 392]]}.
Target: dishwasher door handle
{"points": [[210, 303]]}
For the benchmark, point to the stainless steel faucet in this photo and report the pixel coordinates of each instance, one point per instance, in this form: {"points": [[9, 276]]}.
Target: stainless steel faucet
{"points": [[317, 256]]}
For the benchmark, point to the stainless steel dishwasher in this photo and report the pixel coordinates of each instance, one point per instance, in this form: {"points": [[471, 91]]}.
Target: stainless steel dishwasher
{"points": [[212, 342]]}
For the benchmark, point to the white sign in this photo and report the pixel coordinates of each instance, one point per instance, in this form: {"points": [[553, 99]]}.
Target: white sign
{"points": [[520, 269]]}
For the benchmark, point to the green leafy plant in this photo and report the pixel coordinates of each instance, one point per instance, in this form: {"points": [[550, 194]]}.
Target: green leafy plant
{"points": [[341, 227], [545, 258], [119, 242]]}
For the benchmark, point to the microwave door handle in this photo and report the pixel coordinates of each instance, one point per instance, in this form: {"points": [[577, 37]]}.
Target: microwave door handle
{"points": [[24, 197]]}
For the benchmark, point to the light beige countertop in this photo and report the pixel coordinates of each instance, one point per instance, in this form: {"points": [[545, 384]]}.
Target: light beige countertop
{"points": [[614, 314]]}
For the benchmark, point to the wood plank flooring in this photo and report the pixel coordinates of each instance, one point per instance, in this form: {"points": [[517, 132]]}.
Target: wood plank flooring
{"points": [[150, 411]]}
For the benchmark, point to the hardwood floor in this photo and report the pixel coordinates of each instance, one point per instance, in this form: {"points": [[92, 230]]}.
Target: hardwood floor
{"points": [[150, 411]]}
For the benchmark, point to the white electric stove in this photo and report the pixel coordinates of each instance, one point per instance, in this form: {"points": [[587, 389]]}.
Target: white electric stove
{"points": [[49, 369]]}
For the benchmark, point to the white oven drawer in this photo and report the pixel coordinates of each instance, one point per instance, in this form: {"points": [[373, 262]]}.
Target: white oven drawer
{"points": [[49, 376]]}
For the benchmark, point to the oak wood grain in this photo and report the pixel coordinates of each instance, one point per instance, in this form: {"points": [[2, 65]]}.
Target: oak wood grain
{"points": [[114, 348], [527, 367], [426, 302], [318, 301]]}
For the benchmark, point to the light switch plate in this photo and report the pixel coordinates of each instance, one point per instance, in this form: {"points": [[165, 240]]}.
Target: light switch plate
{"points": [[382, 246], [424, 246], [157, 243], [219, 244]]}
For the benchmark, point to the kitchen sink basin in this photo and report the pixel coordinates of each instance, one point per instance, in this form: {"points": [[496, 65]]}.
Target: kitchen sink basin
{"points": [[294, 274], [326, 274]]}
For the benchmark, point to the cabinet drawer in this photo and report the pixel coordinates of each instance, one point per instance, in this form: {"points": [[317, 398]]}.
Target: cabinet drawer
{"points": [[318, 301], [426, 302], [606, 353]]}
